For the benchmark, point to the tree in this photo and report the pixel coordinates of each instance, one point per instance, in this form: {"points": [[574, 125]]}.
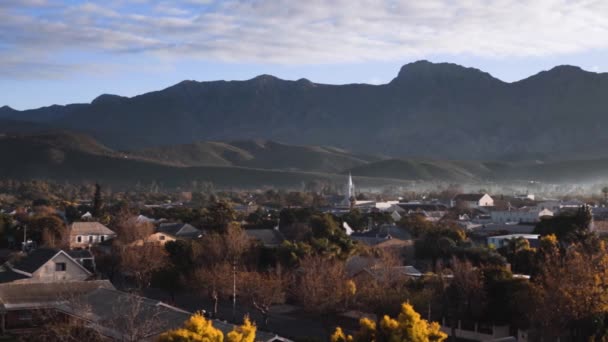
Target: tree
{"points": [[49, 230], [408, 327], [570, 292], [218, 215], [465, 294], [97, 201], [605, 192], [326, 296], [567, 226], [198, 329], [262, 290], [243, 333], [141, 262]]}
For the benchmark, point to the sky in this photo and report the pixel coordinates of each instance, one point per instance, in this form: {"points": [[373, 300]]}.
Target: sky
{"points": [[71, 51]]}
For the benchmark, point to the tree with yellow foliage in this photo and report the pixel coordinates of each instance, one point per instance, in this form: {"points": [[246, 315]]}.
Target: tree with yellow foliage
{"points": [[408, 327], [198, 329], [243, 333]]}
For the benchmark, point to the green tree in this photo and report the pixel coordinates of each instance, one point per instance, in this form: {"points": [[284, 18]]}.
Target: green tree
{"points": [[218, 215]]}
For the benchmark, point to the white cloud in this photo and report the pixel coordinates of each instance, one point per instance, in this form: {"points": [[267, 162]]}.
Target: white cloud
{"points": [[307, 32]]}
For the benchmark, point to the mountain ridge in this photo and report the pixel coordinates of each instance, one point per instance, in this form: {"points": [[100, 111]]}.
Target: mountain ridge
{"points": [[430, 110]]}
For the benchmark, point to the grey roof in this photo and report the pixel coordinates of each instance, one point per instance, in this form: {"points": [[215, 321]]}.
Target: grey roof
{"points": [[182, 230], [268, 237], [358, 263], [423, 206], [34, 295], [80, 254], [7, 275], [108, 308], [33, 261], [468, 197], [396, 271]]}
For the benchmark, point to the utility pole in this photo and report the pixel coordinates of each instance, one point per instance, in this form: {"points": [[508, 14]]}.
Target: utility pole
{"points": [[233, 290], [24, 237]]}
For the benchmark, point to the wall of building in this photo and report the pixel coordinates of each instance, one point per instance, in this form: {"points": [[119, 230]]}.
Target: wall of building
{"points": [[49, 273]]}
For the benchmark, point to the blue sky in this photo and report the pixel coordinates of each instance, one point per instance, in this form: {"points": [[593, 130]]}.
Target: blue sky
{"points": [[66, 51]]}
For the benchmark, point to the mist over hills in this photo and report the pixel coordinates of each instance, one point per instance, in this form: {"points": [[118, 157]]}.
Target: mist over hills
{"points": [[65, 156], [432, 111]]}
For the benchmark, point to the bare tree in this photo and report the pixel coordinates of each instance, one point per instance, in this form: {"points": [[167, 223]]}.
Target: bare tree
{"points": [[262, 290], [141, 262]]}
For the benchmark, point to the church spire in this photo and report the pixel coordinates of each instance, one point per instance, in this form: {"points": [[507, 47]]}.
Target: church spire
{"points": [[350, 190]]}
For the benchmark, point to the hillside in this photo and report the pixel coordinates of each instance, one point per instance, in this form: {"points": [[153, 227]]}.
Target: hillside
{"points": [[429, 111], [412, 169], [256, 154], [74, 157]]}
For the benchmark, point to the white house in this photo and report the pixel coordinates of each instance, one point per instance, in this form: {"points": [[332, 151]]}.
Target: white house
{"points": [[86, 234], [522, 215], [473, 201], [502, 240]]}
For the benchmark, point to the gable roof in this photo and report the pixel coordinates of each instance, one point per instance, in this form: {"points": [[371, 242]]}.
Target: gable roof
{"points": [[90, 228], [468, 197], [183, 230], [37, 258], [33, 261]]}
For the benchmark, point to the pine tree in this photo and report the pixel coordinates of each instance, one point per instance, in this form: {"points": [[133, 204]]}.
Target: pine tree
{"points": [[97, 201]]}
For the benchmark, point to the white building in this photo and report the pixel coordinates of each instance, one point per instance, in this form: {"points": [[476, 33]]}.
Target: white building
{"points": [[522, 215], [502, 240], [473, 201]]}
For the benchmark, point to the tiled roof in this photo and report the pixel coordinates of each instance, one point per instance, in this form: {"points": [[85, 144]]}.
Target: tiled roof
{"points": [[90, 228]]}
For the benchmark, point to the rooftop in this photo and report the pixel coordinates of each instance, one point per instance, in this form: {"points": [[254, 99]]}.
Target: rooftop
{"points": [[90, 228]]}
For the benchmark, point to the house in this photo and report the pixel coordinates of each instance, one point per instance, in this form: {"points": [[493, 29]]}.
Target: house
{"points": [[84, 257], [502, 240], [472, 201], [267, 237], [23, 304], [87, 234], [43, 265], [158, 238], [116, 315], [521, 215], [180, 230]]}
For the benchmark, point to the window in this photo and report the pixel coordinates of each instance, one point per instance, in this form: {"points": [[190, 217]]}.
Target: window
{"points": [[162, 237], [102, 238], [60, 267], [79, 238], [90, 238]]}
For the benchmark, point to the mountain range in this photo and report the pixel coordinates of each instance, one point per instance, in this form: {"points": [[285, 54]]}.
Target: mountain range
{"points": [[438, 111], [432, 121]]}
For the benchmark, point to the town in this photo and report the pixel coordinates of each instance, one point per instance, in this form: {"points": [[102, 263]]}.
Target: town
{"points": [[81, 262]]}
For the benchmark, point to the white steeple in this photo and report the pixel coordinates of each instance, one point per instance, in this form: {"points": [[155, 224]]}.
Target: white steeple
{"points": [[350, 189]]}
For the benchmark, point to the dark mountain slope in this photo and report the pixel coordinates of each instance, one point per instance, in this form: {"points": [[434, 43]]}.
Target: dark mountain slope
{"points": [[72, 157], [430, 111], [257, 154]]}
